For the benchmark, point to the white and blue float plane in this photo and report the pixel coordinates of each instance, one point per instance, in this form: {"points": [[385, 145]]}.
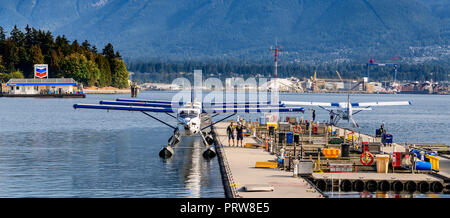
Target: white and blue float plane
{"points": [[346, 110], [188, 115]]}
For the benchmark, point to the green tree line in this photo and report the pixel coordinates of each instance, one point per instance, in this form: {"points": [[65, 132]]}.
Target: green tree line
{"points": [[166, 71], [20, 51]]}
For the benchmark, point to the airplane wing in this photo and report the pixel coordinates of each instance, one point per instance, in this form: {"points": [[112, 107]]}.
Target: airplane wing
{"points": [[344, 104], [140, 104], [237, 103], [124, 108], [252, 110], [310, 103], [176, 105], [144, 101], [242, 105], [381, 103], [204, 103]]}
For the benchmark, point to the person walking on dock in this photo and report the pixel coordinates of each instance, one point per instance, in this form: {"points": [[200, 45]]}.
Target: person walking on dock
{"points": [[230, 132], [332, 117], [239, 133], [313, 115], [382, 130]]}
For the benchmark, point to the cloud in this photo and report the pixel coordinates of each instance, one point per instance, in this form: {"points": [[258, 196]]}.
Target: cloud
{"points": [[100, 3]]}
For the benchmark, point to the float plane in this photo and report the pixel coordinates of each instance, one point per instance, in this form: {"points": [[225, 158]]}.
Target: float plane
{"points": [[346, 110], [188, 115]]}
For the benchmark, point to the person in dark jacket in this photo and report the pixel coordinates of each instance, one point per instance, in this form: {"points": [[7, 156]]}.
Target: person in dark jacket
{"points": [[239, 133], [332, 117], [230, 132]]}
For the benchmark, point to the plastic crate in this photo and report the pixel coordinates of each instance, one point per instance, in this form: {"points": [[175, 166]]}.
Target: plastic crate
{"points": [[331, 152], [434, 162]]}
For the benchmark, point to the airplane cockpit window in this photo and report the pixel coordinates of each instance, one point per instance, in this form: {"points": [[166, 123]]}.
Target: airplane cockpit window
{"points": [[188, 114]]}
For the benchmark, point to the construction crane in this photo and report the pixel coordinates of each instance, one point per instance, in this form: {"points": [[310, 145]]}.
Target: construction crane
{"points": [[314, 81], [317, 82], [372, 63], [339, 75]]}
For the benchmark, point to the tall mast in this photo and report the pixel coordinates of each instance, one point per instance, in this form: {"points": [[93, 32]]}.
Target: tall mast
{"points": [[275, 88], [276, 49]]}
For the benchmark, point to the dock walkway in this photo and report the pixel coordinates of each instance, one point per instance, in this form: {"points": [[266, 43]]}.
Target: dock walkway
{"points": [[242, 161], [241, 171]]}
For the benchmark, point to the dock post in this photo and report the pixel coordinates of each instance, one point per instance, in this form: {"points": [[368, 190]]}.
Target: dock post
{"points": [[296, 162], [295, 150], [310, 125], [345, 135]]}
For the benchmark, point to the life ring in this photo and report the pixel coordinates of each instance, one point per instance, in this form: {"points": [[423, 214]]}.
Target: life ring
{"points": [[364, 160]]}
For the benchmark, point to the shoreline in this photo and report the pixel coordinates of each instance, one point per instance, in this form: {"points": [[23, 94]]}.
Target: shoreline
{"points": [[105, 90], [337, 92]]}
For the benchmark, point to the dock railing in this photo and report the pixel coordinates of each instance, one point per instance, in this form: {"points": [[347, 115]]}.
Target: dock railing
{"points": [[227, 177]]}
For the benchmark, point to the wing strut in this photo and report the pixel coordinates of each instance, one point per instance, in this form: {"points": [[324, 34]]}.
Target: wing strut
{"points": [[324, 108], [171, 115], [218, 121], [158, 120], [360, 110]]}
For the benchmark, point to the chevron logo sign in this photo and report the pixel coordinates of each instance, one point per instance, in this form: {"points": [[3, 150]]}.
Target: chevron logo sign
{"points": [[41, 70]]}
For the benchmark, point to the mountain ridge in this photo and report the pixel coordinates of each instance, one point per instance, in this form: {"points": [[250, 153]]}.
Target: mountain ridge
{"points": [[310, 30]]}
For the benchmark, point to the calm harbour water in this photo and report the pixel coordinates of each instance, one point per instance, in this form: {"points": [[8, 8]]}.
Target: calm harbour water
{"points": [[48, 149]]}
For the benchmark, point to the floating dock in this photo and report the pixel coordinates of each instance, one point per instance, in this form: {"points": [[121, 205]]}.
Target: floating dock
{"points": [[248, 171], [79, 95], [243, 174]]}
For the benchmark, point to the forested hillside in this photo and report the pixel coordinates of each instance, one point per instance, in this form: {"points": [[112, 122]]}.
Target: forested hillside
{"points": [[20, 51]]}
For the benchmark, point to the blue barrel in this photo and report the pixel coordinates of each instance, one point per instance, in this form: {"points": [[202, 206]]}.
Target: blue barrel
{"points": [[378, 132], [262, 121], [417, 152], [289, 138], [430, 153], [280, 161], [388, 138], [422, 165]]}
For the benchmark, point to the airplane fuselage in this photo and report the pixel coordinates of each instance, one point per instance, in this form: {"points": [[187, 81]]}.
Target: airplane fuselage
{"points": [[189, 120]]}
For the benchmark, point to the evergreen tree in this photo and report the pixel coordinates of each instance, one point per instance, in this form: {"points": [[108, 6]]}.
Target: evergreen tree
{"points": [[36, 55], [120, 74], [54, 68], [77, 66], [11, 55], [17, 75], [63, 45], [105, 71], [2, 34], [17, 36], [108, 52]]}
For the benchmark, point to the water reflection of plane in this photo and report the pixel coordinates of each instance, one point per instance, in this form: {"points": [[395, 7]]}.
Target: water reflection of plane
{"points": [[189, 115]]}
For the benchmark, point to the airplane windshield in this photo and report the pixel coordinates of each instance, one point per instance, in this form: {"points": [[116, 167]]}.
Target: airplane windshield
{"points": [[190, 114]]}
